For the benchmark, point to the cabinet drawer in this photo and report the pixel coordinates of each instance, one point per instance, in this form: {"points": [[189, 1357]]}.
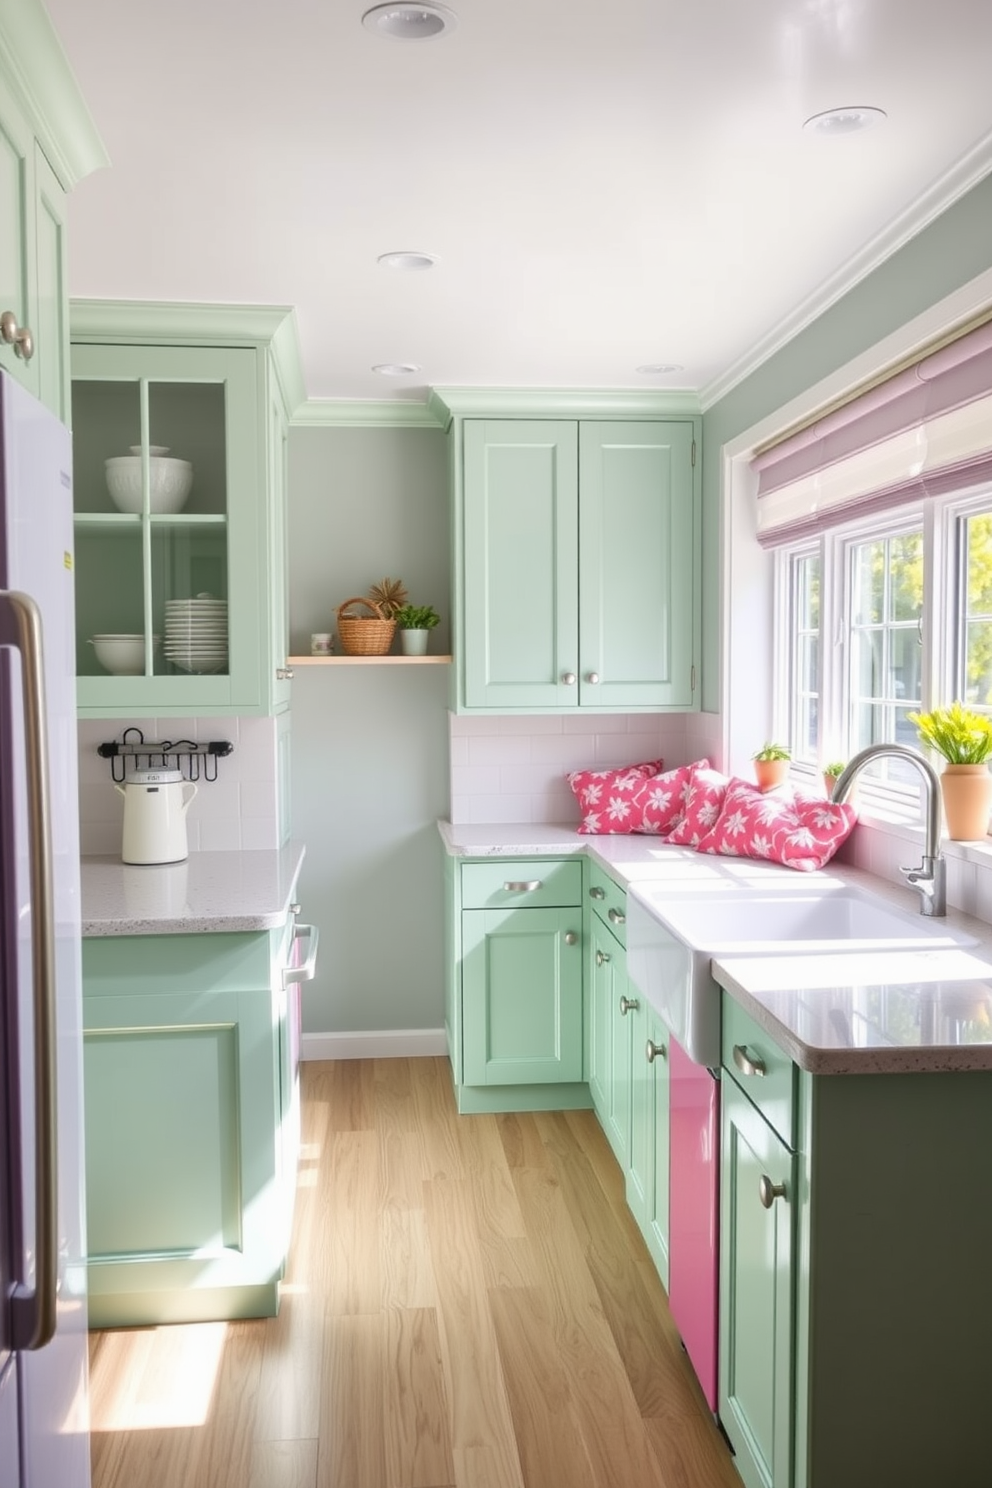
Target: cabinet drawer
{"points": [[525, 883], [758, 1066], [609, 901]]}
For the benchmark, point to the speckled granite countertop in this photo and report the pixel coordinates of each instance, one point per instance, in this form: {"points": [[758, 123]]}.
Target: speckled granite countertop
{"points": [[891, 1012], [209, 892]]}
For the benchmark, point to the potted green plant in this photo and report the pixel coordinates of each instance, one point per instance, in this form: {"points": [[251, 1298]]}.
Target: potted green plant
{"points": [[415, 624], [963, 738], [771, 765], [831, 772]]}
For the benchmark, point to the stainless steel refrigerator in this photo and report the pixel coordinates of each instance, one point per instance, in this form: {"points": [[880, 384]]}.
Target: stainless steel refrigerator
{"points": [[44, 1409]]}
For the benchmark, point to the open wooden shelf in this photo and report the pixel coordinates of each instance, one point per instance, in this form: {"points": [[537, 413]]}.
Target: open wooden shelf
{"points": [[369, 660]]}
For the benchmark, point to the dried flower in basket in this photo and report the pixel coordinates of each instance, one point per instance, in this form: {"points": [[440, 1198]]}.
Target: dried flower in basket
{"points": [[390, 595]]}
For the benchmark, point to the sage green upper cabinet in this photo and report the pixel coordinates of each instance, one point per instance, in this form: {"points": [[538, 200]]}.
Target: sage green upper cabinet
{"points": [[214, 387], [47, 144], [576, 545]]}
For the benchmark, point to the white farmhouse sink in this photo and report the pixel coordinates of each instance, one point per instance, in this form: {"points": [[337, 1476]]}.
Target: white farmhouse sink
{"points": [[672, 937]]}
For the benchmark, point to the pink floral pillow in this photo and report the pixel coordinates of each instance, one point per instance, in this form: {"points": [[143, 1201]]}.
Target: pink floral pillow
{"points": [[800, 832], [705, 791], [661, 802], [606, 797]]}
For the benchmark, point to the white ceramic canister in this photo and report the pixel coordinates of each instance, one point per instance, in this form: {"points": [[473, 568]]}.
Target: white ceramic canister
{"points": [[155, 807]]}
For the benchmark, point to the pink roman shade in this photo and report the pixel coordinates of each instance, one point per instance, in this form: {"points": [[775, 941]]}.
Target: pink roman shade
{"points": [[923, 432]]}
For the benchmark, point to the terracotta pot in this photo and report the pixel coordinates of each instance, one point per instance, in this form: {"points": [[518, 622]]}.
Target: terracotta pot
{"points": [[770, 773], [967, 793]]}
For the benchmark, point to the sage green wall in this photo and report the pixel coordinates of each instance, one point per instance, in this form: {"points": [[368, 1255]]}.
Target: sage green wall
{"points": [[370, 770], [953, 249]]}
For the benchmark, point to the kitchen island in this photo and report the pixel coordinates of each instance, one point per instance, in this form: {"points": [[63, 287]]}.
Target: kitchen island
{"points": [[191, 1013]]}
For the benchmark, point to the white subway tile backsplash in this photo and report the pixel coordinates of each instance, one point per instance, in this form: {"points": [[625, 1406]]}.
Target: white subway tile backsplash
{"points": [[532, 755], [238, 809]]}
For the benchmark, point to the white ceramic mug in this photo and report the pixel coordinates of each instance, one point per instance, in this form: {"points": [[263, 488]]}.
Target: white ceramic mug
{"points": [[320, 643]]}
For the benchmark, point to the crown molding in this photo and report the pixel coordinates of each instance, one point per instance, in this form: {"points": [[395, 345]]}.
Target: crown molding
{"points": [[187, 324], [352, 413], [31, 56], [949, 188], [449, 403]]}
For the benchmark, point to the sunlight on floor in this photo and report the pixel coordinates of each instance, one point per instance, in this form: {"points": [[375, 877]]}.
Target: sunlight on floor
{"points": [[148, 1379]]}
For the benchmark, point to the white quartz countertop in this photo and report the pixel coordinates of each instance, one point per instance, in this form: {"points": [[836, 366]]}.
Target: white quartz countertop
{"points": [[859, 1013], [209, 892]]}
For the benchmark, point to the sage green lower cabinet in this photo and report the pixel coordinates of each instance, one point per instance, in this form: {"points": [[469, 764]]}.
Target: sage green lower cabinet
{"points": [[191, 1110], [627, 1067], [756, 1294], [514, 1004], [855, 1315]]}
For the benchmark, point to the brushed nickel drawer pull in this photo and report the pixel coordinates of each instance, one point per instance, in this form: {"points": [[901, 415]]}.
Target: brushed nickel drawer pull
{"points": [[571, 938], [597, 893], [628, 1005], [653, 1051], [522, 885], [745, 1064], [616, 916], [602, 957], [768, 1191]]}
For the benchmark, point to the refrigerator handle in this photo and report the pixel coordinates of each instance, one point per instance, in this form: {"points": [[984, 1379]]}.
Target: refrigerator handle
{"points": [[33, 1308]]}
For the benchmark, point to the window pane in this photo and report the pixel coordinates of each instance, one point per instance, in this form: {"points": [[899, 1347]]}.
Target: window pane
{"points": [[804, 574], [886, 655], [869, 583], [976, 645], [905, 566]]}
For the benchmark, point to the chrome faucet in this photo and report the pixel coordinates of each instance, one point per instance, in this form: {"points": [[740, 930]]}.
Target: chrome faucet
{"points": [[930, 878]]}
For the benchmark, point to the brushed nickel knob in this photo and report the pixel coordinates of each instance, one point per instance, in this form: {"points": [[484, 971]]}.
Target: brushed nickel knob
{"points": [[568, 678], [768, 1191], [653, 1051], [570, 937], [597, 893], [628, 1005], [616, 917], [295, 908], [745, 1064], [19, 337], [601, 958], [593, 677], [284, 674]]}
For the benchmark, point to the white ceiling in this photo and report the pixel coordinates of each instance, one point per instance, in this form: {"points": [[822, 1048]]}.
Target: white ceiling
{"points": [[604, 184]]}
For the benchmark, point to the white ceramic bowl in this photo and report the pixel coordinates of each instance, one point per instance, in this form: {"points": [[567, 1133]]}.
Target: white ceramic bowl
{"points": [[171, 482], [123, 655]]}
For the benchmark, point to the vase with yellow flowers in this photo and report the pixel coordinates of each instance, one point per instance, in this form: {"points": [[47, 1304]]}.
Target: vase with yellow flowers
{"points": [[963, 738]]}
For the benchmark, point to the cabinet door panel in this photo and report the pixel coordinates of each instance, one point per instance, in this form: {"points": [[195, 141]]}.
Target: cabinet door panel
{"points": [[522, 996], [637, 566], [17, 235], [51, 323], [658, 1207], [756, 1296], [599, 1072], [520, 563]]}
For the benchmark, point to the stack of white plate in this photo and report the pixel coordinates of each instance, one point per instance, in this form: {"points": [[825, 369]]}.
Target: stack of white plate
{"points": [[196, 633]]}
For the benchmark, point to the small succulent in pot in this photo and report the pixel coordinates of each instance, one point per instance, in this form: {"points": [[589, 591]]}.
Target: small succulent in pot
{"points": [[961, 735], [771, 765], [416, 617], [831, 773], [772, 752]]}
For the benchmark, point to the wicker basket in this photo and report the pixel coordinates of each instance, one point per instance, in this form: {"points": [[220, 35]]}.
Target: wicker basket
{"points": [[364, 635]]}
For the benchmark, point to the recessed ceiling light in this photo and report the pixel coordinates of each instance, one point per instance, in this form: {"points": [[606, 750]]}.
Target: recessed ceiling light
{"points": [[395, 369], [844, 120], [406, 258], [656, 368], [408, 21]]}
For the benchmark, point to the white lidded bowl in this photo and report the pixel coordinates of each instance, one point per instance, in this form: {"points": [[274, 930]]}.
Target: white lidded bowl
{"points": [[124, 655], [170, 480]]}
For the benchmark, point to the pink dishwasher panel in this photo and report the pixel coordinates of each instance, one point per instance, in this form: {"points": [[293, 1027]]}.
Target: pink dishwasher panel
{"points": [[695, 1171]]}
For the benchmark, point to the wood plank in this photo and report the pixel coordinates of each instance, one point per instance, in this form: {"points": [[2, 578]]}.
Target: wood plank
{"points": [[438, 1117], [284, 1464], [351, 1451], [223, 1454], [348, 1272], [291, 1380], [476, 1394], [417, 1420]]}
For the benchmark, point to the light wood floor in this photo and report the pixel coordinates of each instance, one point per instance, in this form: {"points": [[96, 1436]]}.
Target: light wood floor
{"points": [[468, 1304]]}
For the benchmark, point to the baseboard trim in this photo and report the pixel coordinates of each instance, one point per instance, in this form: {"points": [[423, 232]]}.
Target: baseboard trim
{"points": [[397, 1043]]}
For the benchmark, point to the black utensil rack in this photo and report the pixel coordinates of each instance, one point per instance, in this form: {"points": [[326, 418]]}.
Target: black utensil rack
{"points": [[195, 761]]}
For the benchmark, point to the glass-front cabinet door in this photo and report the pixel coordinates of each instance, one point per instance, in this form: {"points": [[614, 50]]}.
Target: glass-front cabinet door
{"points": [[166, 496]]}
